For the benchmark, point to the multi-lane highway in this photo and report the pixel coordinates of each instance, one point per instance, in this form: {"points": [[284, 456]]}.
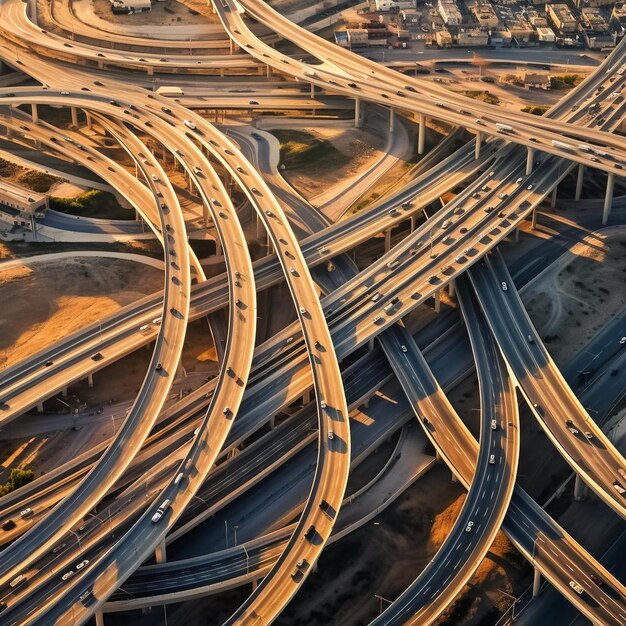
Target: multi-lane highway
{"points": [[498, 189]]}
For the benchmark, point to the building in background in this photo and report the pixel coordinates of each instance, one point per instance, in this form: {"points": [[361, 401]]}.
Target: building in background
{"points": [[449, 11]]}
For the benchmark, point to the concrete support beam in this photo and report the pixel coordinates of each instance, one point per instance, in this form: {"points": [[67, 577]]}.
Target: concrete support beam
{"points": [[421, 134], [370, 344], [388, 240], [159, 553], [34, 112], [149, 68], [272, 422], [438, 301], [357, 112], [255, 584], [90, 380], [392, 119], [269, 71], [533, 223], [438, 457], [89, 121], [40, 407], [451, 289], [579, 181], [553, 197], [530, 156], [74, 112], [99, 618], [412, 223], [580, 489], [454, 478], [64, 392], [536, 583], [516, 236], [101, 67], [479, 143], [608, 198], [312, 90]]}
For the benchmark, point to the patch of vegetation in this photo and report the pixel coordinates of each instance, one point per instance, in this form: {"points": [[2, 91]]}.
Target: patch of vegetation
{"points": [[535, 110], [299, 149], [483, 96], [38, 181], [7, 168], [92, 203], [17, 479], [565, 81]]}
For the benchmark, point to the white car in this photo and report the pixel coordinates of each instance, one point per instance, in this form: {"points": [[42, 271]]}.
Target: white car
{"points": [[622, 340], [492, 459], [504, 286], [469, 526], [67, 575], [331, 434], [575, 586], [82, 564], [189, 124], [403, 348]]}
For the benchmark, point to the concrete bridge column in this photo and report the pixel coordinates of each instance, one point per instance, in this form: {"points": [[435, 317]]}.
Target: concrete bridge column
{"points": [[533, 223], [392, 120], [608, 198], [579, 489], [205, 215], [312, 90], [421, 135], [159, 552], [370, 344], [74, 112], [536, 583], [222, 72], [529, 161], [357, 112], [516, 236], [34, 112], [255, 584], [101, 67], [553, 197], [218, 246], [479, 143], [40, 407], [99, 618], [269, 71], [90, 380], [451, 289], [89, 121], [64, 392], [388, 240], [454, 478], [438, 301], [272, 422], [579, 181], [33, 11], [412, 223]]}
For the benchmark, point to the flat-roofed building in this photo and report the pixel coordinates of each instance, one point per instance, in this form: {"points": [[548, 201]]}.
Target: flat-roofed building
{"points": [[472, 37], [536, 80], [562, 18], [388, 5], [484, 14], [449, 11], [19, 205]]}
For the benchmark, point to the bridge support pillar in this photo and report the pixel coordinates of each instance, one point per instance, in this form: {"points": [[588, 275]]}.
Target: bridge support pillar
{"points": [[516, 236], [438, 301], [438, 457], [529, 161], [90, 380], [533, 222], [451, 289], [579, 181], [454, 478], [392, 119], [312, 90], [421, 135], [218, 246], [388, 240], [149, 70], [159, 552], [357, 112], [272, 422], [74, 112], [40, 407], [33, 11], [99, 618], [579, 489], [608, 198], [89, 121], [536, 583], [64, 392], [222, 73], [268, 73], [34, 112], [479, 143], [255, 584], [412, 223], [553, 197], [101, 67]]}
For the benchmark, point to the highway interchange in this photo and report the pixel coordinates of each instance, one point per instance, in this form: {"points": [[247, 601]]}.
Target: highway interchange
{"points": [[500, 185]]}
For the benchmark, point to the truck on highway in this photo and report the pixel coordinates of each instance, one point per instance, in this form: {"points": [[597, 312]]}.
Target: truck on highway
{"points": [[561, 145], [170, 91], [504, 128]]}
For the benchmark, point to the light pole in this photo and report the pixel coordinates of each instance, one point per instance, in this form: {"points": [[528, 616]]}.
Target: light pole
{"points": [[226, 531], [235, 527], [243, 545], [380, 603]]}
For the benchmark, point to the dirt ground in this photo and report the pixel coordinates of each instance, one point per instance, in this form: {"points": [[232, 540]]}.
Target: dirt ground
{"points": [[362, 146], [45, 302], [578, 295], [162, 13]]}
